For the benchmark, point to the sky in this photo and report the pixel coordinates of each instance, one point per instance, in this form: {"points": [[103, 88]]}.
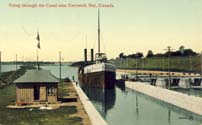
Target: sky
{"points": [[130, 26]]}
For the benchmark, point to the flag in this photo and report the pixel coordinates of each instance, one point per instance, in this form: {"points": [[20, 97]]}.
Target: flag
{"points": [[38, 39], [38, 45]]}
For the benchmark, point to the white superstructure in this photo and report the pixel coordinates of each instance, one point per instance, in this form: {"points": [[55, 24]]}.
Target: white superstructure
{"points": [[99, 67]]}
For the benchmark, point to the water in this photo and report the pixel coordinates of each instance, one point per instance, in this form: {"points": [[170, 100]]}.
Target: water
{"points": [[129, 107], [66, 70], [122, 106], [11, 67]]}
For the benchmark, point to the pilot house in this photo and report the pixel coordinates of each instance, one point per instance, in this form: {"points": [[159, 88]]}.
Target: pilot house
{"points": [[36, 86]]}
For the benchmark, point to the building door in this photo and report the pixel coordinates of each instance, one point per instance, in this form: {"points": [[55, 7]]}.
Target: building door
{"points": [[36, 92]]}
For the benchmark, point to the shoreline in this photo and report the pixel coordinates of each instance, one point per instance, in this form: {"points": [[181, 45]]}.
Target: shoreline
{"points": [[94, 115]]}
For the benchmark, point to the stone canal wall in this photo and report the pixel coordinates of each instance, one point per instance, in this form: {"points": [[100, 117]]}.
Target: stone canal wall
{"points": [[187, 102], [95, 117]]}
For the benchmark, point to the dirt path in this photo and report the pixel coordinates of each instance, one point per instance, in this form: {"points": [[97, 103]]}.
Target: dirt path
{"points": [[71, 94]]}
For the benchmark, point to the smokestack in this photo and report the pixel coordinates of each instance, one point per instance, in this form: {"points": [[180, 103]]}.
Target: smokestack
{"points": [[92, 55], [85, 55]]}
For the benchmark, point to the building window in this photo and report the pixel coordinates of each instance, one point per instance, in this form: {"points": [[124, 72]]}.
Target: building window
{"points": [[50, 91]]}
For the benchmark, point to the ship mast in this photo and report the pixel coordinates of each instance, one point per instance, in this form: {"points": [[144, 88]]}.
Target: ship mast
{"points": [[98, 30]]}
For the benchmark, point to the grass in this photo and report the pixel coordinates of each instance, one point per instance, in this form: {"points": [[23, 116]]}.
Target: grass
{"points": [[24, 116], [7, 95], [61, 90], [61, 116], [189, 64]]}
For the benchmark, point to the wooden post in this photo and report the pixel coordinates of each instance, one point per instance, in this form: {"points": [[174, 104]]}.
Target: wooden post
{"points": [[201, 63], [169, 76], [60, 65], [16, 65], [0, 62]]}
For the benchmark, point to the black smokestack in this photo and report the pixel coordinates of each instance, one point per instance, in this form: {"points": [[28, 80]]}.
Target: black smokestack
{"points": [[85, 55], [92, 55]]}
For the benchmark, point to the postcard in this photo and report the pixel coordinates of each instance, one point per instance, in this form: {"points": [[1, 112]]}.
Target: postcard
{"points": [[100, 62]]}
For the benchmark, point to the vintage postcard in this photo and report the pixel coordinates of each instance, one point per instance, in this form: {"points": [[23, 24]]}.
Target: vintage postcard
{"points": [[101, 62]]}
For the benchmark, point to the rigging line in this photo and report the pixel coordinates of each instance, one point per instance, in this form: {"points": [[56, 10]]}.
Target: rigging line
{"points": [[88, 55], [103, 43], [95, 42], [86, 42], [75, 36], [98, 30], [26, 32]]}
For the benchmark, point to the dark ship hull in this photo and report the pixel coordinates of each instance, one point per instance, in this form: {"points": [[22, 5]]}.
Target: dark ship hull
{"points": [[103, 79]]}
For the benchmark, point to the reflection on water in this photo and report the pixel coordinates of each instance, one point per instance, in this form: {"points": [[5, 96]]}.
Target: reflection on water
{"points": [[125, 106], [169, 120], [121, 84], [103, 99], [137, 109]]}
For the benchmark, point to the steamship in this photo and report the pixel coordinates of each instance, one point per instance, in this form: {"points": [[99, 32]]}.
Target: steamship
{"points": [[98, 73]]}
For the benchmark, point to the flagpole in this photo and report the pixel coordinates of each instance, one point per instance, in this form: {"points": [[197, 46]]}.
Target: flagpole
{"points": [[38, 47], [37, 58]]}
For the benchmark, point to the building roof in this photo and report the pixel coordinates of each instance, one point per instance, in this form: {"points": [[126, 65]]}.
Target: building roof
{"points": [[37, 76]]}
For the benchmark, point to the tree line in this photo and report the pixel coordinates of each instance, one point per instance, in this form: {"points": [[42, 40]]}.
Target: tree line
{"points": [[180, 52]]}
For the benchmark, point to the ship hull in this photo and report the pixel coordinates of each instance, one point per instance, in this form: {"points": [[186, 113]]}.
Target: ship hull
{"points": [[102, 79]]}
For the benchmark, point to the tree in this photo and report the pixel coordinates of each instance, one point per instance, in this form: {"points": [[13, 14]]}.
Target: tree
{"points": [[121, 56], [181, 49], [139, 55], [149, 54], [159, 55], [189, 52], [135, 56]]}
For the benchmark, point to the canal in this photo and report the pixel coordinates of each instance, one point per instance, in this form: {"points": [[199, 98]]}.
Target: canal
{"points": [[128, 107], [122, 106]]}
